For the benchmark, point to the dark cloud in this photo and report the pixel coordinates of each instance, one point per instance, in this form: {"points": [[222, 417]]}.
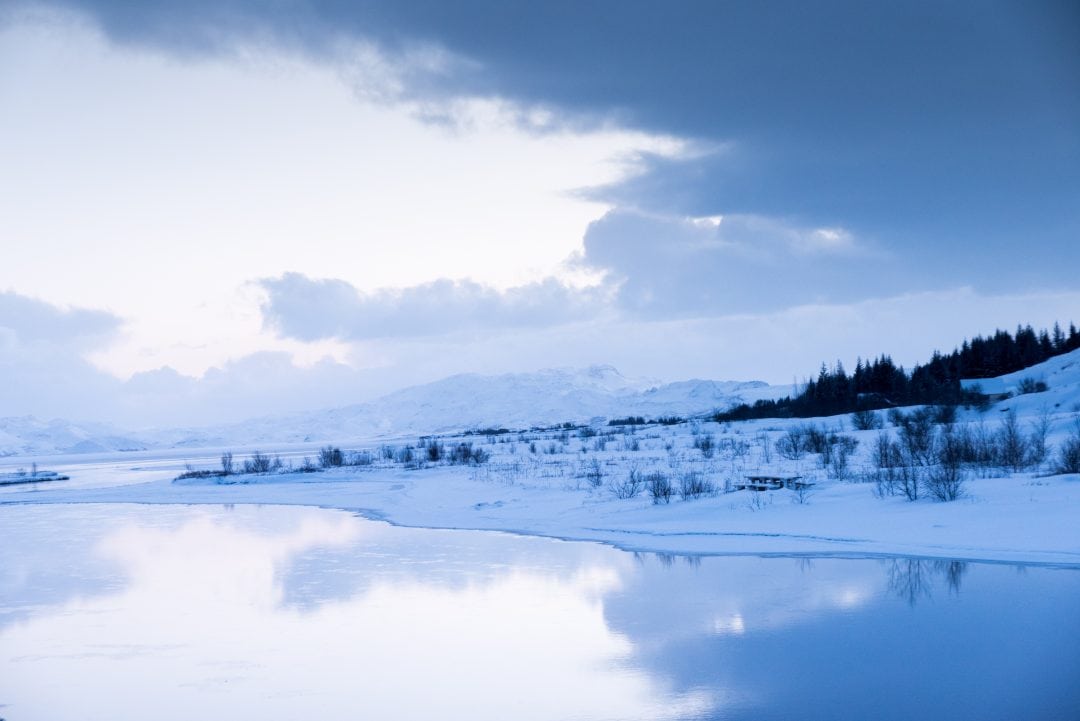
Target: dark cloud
{"points": [[948, 131], [310, 309], [666, 267]]}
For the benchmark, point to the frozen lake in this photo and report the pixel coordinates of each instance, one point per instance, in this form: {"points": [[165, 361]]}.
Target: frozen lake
{"points": [[269, 612]]}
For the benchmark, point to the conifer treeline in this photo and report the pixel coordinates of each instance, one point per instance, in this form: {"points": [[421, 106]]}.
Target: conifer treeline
{"points": [[880, 383]]}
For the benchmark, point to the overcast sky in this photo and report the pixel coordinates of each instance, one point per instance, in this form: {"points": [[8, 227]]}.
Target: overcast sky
{"points": [[216, 209]]}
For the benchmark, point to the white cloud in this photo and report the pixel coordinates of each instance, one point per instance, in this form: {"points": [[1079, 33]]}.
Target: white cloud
{"points": [[164, 184]]}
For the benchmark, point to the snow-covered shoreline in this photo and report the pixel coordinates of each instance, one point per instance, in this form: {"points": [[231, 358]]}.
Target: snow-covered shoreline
{"points": [[1010, 520]]}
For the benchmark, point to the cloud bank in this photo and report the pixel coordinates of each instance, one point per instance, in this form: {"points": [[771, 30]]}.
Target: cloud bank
{"points": [[310, 309]]}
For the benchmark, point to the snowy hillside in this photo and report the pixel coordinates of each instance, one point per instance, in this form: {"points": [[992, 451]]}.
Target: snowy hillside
{"points": [[513, 400], [27, 435], [1061, 374]]}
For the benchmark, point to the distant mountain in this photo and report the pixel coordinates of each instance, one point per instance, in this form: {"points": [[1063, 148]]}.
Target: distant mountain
{"points": [[460, 402], [513, 400], [27, 435]]}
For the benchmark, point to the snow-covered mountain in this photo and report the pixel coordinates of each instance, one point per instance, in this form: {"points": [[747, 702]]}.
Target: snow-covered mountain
{"points": [[513, 400], [27, 435]]}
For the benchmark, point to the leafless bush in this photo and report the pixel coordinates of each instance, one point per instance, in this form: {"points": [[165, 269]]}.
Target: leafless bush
{"points": [[916, 434], [331, 457], [693, 484], [801, 493], [865, 420], [465, 454], [1037, 448], [887, 452], [1011, 443], [945, 480], [260, 463], [791, 445], [629, 487], [735, 448], [758, 500], [815, 439], [659, 486], [766, 448], [433, 450], [837, 455], [227, 463], [1030, 385], [360, 458], [1069, 452], [944, 414], [705, 443], [593, 472]]}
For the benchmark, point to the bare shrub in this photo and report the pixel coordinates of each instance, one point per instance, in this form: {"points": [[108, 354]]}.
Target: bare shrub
{"points": [[629, 487], [837, 455], [433, 450], [815, 439], [908, 481], [1030, 385], [693, 484], [593, 472], [978, 448], [260, 463], [801, 493], [405, 456], [705, 443], [944, 413], [917, 434], [791, 445], [331, 457], [887, 452], [766, 448], [227, 463], [1068, 460], [360, 458], [1011, 444], [466, 454], [865, 420], [945, 480], [758, 500], [659, 486], [1037, 448]]}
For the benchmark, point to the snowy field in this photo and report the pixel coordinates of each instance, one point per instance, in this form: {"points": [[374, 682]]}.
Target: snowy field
{"points": [[570, 487], [676, 487]]}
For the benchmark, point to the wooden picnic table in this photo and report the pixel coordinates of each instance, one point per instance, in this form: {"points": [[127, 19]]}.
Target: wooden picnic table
{"points": [[768, 482]]}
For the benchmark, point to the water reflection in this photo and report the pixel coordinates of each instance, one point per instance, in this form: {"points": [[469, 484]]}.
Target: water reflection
{"points": [[218, 618], [912, 579], [268, 612]]}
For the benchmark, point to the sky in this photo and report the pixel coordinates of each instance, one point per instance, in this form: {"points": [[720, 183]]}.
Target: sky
{"points": [[218, 209]]}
